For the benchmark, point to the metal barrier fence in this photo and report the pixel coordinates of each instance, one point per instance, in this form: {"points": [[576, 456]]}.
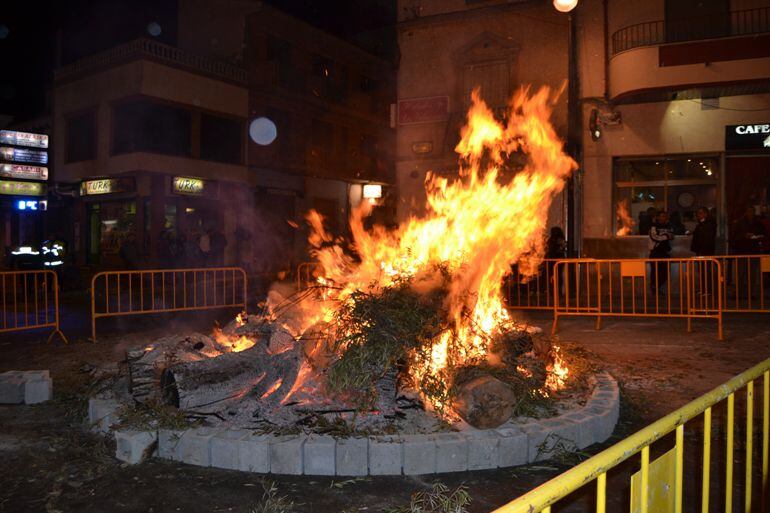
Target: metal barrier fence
{"points": [[531, 292], [305, 276], [747, 285], [689, 288], [117, 293], [30, 300], [659, 483]]}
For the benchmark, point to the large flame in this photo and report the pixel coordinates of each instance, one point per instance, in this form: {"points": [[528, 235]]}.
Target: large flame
{"points": [[624, 219], [476, 225]]}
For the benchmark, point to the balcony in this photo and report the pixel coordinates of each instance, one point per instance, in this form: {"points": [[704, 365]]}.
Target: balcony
{"points": [[665, 60], [156, 51]]}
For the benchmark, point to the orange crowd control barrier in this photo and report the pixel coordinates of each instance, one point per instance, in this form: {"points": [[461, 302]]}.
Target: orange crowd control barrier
{"points": [[116, 293], [305, 274], [30, 300], [747, 283], [531, 292], [689, 288]]}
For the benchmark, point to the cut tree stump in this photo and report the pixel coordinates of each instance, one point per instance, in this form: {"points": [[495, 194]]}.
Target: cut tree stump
{"points": [[485, 402]]}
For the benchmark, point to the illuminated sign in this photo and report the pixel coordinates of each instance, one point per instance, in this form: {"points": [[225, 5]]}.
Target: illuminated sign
{"points": [[372, 191], [106, 186], [32, 205], [10, 187], [193, 186], [23, 139], [748, 137], [22, 171], [185, 185], [23, 155]]}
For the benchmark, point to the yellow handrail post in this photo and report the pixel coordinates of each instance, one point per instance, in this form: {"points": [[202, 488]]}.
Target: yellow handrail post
{"points": [[749, 442], [729, 454], [706, 461]]}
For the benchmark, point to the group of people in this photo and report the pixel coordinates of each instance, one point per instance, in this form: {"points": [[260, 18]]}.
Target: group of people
{"points": [[206, 249]]}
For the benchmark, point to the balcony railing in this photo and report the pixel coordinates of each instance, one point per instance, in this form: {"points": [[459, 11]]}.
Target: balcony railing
{"points": [[157, 51], [736, 23]]}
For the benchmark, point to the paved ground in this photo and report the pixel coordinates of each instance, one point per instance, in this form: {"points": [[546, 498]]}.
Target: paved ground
{"points": [[48, 463]]}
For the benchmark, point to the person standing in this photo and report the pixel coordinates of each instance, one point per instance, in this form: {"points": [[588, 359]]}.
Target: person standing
{"points": [[217, 242], [704, 235], [661, 235], [204, 244]]}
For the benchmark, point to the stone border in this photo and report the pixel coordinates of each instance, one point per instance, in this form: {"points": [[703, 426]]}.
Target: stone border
{"points": [[25, 387], [240, 449]]}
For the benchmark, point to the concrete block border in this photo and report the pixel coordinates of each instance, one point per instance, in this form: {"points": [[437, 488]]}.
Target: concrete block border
{"points": [[473, 449], [25, 387]]}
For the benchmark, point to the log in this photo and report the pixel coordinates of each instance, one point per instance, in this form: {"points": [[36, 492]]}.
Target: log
{"points": [[215, 383], [146, 364], [484, 402]]}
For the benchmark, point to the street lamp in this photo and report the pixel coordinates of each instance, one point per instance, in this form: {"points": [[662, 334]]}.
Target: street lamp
{"points": [[564, 5]]}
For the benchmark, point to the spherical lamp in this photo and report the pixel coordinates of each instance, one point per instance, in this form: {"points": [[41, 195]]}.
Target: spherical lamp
{"points": [[564, 5], [263, 131]]}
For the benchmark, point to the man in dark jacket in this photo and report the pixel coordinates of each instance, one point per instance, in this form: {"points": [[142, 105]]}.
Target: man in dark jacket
{"points": [[661, 235], [704, 235]]}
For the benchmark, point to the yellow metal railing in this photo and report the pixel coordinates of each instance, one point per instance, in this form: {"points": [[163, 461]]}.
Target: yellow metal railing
{"points": [[689, 288], [653, 475], [30, 300], [117, 293], [747, 283]]}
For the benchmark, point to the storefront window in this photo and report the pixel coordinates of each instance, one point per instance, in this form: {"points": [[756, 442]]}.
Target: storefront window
{"points": [[679, 185], [111, 222]]}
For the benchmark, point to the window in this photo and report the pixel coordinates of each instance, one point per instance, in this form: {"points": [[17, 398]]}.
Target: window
{"points": [[678, 185], [279, 51], [221, 139], [494, 80], [689, 20], [142, 125], [81, 137], [330, 80]]}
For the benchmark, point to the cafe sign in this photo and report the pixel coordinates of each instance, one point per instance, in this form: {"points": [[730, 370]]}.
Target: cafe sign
{"points": [[25, 172], [23, 139], [191, 186], [754, 136], [107, 186], [13, 188]]}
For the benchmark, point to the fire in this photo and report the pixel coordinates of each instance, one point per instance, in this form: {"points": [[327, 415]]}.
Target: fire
{"points": [[624, 219], [233, 343], [557, 372], [476, 225]]}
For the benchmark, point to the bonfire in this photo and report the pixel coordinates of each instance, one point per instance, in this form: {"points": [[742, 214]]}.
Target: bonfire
{"points": [[412, 317]]}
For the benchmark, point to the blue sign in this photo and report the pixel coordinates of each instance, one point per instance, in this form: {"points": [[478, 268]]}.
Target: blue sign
{"points": [[31, 205], [23, 155]]}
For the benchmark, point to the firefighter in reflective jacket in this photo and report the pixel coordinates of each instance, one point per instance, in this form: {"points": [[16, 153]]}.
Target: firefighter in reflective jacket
{"points": [[52, 253]]}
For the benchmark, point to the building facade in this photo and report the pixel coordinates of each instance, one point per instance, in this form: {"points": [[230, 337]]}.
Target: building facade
{"points": [[675, 114], [155, 143], [450, 47]]}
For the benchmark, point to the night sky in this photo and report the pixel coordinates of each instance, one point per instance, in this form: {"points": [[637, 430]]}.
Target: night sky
{"points": [[34, 36]]}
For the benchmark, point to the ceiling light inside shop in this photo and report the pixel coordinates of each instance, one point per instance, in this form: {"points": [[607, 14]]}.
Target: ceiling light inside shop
{"points": [[372, 191]]}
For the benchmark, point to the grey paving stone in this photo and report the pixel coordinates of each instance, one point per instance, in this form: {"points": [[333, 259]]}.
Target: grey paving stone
{"points": [[254, 453], [286, 455], [482, 449], [195, 446], [169, 442], [135, 446], [38, 390], [385, 456], [224, 448], [102, 413], [11, 388], [352, 457], [419, 454], [320, 456], [451, 453], [512, 447]]}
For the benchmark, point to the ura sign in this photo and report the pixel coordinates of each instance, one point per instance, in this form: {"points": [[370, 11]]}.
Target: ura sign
{"points": [[748, 137]]}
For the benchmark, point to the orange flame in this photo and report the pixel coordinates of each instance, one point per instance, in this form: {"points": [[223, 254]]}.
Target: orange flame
{"points": [[624, 219], [557, 372], [476, 225]]}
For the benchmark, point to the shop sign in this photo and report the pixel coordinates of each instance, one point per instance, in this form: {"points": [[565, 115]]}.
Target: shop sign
{"points": [[193, 186], [106, 186], [748, 137], [23, 139], [22, 171], [13, 188], [423, 110], [23, 155]]}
